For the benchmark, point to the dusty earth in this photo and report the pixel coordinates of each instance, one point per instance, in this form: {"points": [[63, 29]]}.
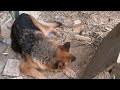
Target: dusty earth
{"points": [[84, 29]]}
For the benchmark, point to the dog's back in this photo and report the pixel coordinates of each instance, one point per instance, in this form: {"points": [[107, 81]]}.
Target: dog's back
{"points": [[27, 38], [22, 25]]}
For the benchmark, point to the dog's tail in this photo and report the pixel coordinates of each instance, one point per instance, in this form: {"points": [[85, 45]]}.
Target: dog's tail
{"points": [[46, 27], [52, 24]]}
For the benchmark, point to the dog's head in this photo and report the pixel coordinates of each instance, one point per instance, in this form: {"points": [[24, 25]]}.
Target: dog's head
{"points": [[63, 56]]}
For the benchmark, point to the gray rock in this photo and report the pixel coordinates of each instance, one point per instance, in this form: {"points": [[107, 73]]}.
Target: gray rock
{"points": [[12, 68]]}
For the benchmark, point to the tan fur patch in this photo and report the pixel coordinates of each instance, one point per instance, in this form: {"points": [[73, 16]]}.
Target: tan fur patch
{"points": [[45, 29], [63, 55], [28, 67]]}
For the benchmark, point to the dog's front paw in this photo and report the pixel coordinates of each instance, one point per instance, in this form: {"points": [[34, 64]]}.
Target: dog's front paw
{"points": [[69, 72]]}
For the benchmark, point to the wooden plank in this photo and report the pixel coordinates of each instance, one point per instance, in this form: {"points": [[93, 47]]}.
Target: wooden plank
{"points": [[106, 54]]}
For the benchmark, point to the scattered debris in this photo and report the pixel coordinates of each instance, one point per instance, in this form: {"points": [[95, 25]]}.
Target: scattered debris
{"points": [[115, 72], [103, 75], [19, 77]]}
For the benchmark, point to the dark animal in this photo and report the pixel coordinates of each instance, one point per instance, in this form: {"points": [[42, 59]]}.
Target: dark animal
{"points": [[30, 39]]}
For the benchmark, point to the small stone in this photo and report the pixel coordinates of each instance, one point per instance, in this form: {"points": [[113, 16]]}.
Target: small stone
{"points": [[77, 30], [20, 77], [68, 22], [109, 29], [118, 59], [7, 41], [77, 21], [57, 17], [79, 37], [7, 51]]}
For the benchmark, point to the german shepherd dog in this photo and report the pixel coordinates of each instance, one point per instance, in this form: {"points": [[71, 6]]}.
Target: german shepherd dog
{"points": [[31, 40]]}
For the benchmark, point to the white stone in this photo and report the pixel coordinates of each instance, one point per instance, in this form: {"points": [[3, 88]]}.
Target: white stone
{"points": [[118, 59], [20, 77], [77, 21], [79, 37], [57, 17]]}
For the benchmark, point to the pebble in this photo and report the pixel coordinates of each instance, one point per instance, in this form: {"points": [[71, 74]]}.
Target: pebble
{"points": [[77, 21]]}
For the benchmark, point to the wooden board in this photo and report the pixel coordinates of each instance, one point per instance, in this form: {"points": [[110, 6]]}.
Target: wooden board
{"points": [[106, 55]]}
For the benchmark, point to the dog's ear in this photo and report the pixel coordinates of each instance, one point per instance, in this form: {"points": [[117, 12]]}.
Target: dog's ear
{"points": [[59, 65], [67, 46]]}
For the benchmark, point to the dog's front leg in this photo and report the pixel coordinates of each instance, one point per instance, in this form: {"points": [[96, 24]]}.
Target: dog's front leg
{"points": [[69, 72]]}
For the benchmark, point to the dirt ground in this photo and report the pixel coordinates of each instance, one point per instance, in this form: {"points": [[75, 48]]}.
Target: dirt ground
{"points": [[84, 29]]}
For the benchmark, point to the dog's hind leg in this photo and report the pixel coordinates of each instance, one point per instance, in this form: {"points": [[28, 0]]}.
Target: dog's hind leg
{"points": [[29, 68], [46, 27]]}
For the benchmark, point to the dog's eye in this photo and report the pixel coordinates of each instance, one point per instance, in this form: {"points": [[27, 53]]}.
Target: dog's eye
{"points": [[60, 64]]}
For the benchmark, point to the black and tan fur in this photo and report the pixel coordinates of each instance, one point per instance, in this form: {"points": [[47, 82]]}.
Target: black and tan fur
{"points": [[39, 52]]}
